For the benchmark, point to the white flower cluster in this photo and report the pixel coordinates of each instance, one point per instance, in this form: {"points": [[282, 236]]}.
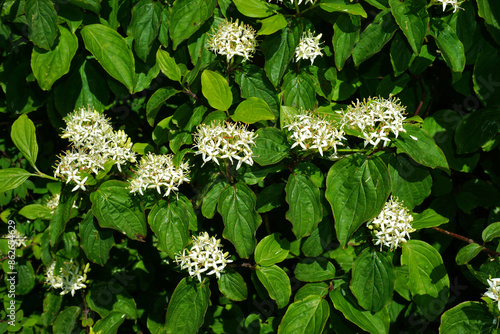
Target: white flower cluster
{"points": [[156, 171], [313, 133], [71, 277], [376, 119], [308, 47], [454, 3], [94, 143], [233, 39], [16, 238], [205, 256], [298, 1], [53, 202], [226, 141], [393, 225], [493, 291]]}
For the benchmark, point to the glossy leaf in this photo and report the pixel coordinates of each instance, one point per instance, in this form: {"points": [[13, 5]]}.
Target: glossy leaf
{"points": [[252, 110], [34, 211], [306, 316], [41, 17], [216, 90], [61, 215], [314, 270], [413, 20], [95, 241], [467, 317], [144, 27], [428, 218], [156, 101], [11, 178], [489, 10], [110, 323], [484, 123], [343, 7], [254, 8], [491, 231], [23, 135], [272, 249], [187, 16], [299, 91], [106, 297], [451, 47], [467, 253], [51, 306], [232, 285], [276, 282], [270, 147], [209, 206], [272, 24], [66, 320], [168, 66], [345, 35], [25, 277]]}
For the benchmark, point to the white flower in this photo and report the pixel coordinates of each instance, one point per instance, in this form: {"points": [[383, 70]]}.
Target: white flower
{"points": [[376, 119], [308, 47], [313, 133], [16, 238], [233, 39], [157, 171], [493, 291], [71, 277], [204, 257], [392, 226], [226, 142], [298, 1], [53, 203], [454, 3]]}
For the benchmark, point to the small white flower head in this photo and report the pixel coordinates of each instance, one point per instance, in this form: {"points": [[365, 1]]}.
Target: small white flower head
{"points": [[159, 172], [298, 1], [315, 134], [454, 3], [308, 47], [392, 227], [233, 39], [493, 291], [204, 257], [16, 238], [227, 141], [71, 277], [53, 202], [376, 119]]}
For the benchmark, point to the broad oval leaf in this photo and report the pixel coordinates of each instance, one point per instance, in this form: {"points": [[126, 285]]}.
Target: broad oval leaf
{"points": [[232, 285], [11, 178], [110, 323], [23, 135], [114, 208], [254, 83], [272, 249], [66, 320], [51, 306], [252, 110], [346, 34], [211, 198], [342, 7], [357, 188], [216, 90], [483, 123], [254, 8], [237, 207], [467, 317], [491, 231], [95, 241], [428, 218], [61, 215], [270, 147], [429, 283], [413, 19], [112, 52], [42, 23], [450, 45], [187, 307], [145, 24], [92, 5], [489, 10], [276, 282], [373, 279], [168, 66], [272, 24], [106, 297], [306, 316], [467, 253], [25, 280], [314, 270], [156, 101], [299, 91]]}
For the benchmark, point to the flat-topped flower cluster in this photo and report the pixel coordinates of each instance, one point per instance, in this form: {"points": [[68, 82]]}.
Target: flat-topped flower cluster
{"points": [[453, 3], [71, 277], [233, 39], [204, 257]]}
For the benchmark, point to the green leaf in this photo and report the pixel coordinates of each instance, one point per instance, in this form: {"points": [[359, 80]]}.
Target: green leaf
{"points": [[451, 47], [299, 91], [114, 208], [491, 232], [187, 16], [92, 5], [402, 55], [270, 197], [25, 280], [41, 18], [429, 283], [187, 307], [345, 35], [163, 33], [467, 317], [156, 101], [314, 270], [232, 285], [276, 282], [252, 110], [320, 239], [487, 82], [144, 75], [106, 297], [428, 218], [373, 279], [48, 66], [411, 183], [419, 145], [51, 306], [483, 123], [270, 147], [271, 24], [11, 178], [344, 301], [168, 66], [306, 316], [216, 90], [254, 8], [112, 52], [489, 10], [95, 241], [66, 320], [144, 27], [305, 210], [374, 37], [343, 7], [467, 253], [312, 289], [209, 206], [237, 207], [23, 135], [170, 221], [61, 215], [271, 250], [254, 83], [110, 323], [390, 85], [34, 211], [413, 19], [357, 189]]}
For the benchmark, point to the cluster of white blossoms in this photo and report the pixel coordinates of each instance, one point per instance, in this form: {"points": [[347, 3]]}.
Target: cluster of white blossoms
{"points": [[157, 171], [233, 39], [308, 47], [493, 291], [376, 119], [71, 277], [18, 239], [392, 226], [298, 1], [314, 133], [53, 202], [454, 3], [94, 143], [225, 141], [204, 257]]}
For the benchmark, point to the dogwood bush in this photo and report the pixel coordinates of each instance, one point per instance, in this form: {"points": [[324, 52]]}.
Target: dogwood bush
{"points": [[250, 166]]}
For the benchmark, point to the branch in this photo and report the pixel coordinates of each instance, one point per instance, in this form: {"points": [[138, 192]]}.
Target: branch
{"points": [[470, 241]]}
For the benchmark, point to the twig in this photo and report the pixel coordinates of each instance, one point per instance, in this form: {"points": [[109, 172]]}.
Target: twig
{"points": [[468, 240]]}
